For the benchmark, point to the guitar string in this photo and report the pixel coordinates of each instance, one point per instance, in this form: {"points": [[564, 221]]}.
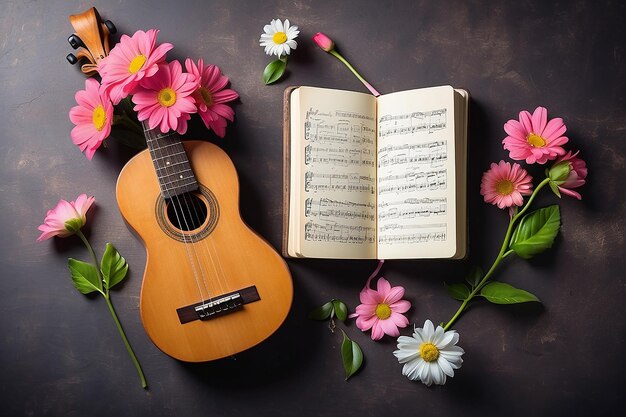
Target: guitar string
{"points": [[165, 188], [202, 242]]}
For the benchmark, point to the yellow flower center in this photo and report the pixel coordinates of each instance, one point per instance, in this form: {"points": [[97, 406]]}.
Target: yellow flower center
{"points": [[167, 97], [429, 352], [136, 63], [99, 118], [536, 140], [504, 187], [279, 37], [206, 96], [383, 311]]}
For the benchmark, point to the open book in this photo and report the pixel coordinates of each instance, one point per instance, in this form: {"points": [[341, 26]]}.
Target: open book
{"points": [[375, 178]]}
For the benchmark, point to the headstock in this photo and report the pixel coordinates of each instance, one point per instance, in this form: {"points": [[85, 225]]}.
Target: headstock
{"points": [[91, 39]]}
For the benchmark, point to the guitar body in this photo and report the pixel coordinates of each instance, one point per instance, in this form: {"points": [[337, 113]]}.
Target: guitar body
{"points": [[219, 256]]}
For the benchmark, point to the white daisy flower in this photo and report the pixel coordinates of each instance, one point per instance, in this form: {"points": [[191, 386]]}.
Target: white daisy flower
{"points": [[279, 38], [430, 355]]}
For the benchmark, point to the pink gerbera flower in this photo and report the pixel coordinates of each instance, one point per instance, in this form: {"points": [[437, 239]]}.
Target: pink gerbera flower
{"points": [[534, 138], [93, 117], [381, 309], [65, 218], [504, 185], [211, 96], [166, 99], [130, 61]]}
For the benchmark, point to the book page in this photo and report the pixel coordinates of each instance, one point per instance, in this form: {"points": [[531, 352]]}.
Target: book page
{"points": [[333, 173], [416, 174]]}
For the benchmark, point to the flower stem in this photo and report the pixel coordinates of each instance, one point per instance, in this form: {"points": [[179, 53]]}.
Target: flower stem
{"points": [[106, 296], [501, 255], [144, 384], [351, 68], [93, 257]]}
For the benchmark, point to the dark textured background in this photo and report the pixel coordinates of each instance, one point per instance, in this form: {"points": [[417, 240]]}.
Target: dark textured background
{"points": [[61, 354]]}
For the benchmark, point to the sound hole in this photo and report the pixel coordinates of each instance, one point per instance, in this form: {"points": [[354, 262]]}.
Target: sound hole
{"points": [[187, 211]]}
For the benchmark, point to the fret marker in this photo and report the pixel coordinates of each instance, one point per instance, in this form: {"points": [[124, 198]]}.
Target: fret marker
{"points": [[167, 163], [181, 176]]}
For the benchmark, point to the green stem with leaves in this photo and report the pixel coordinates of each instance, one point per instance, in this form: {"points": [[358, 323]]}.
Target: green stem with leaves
{"points": [[501, 255], [105, 293]]}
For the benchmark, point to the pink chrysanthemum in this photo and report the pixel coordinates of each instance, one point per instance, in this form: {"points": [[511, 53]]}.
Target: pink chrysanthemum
{"points": [[534, 138], [130, 61], [381, 309], [211, 96], [504, 185], [65, 218], [93, 117], [165, 99]]}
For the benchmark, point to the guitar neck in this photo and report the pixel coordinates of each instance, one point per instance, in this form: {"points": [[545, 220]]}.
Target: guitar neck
{"points": [[170, 160]]}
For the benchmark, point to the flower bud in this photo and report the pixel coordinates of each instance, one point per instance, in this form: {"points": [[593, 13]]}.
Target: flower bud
{"points": [[559, 172], [568, 172], [324, 42]]}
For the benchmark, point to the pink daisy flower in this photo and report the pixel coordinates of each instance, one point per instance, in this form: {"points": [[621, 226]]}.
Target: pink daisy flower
{"points": [[65, 218], [93, 117], [574, 178], [130, 61], [211, 96], [534, 138], [381, 309], [165, 99], [504, 185]]}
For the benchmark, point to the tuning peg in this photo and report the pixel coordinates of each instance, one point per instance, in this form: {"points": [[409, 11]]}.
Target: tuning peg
{"points": [[71, 58], [110, 26], [75, 41]]}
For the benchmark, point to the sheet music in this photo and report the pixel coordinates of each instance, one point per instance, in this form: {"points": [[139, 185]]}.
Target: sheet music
{"points": [[338, 178], [416, 174]]}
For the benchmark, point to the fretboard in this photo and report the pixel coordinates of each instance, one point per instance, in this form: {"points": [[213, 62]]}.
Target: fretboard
{"points": [[170, 162]]}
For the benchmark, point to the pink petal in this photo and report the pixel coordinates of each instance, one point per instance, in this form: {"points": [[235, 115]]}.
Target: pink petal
{"points": [[526, 121], [383, 286], [539, 119], [377, 331], [401, 306], [554, 128], [394, 294], [389, 328]]}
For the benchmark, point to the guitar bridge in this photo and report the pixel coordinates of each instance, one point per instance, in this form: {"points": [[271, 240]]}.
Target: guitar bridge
{"points": [[218, 306]]}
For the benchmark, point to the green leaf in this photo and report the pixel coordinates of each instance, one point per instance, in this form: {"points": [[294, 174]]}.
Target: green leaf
{"points": [[274, 71], [458, 291], [555, 188], [536, 232], [351, 355], [322, 313], [114, 267], [84, 276], [341, 311], [474, 276], [501, 293]]}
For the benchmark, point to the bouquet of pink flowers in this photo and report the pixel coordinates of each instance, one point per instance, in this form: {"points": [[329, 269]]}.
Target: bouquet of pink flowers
{"points": [[137, 77]]}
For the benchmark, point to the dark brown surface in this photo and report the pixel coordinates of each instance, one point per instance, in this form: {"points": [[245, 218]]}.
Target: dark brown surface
{"points": [[61, 354]]}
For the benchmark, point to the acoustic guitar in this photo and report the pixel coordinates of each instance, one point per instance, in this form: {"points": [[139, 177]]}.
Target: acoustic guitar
{"points": [[211, 287]]}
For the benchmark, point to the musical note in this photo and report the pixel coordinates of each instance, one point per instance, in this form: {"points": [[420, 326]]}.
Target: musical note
{"points": [[339, 233], [412, 207], [412, 181], [415, 233], [409, 123], [339, 198], [343, 209]]}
